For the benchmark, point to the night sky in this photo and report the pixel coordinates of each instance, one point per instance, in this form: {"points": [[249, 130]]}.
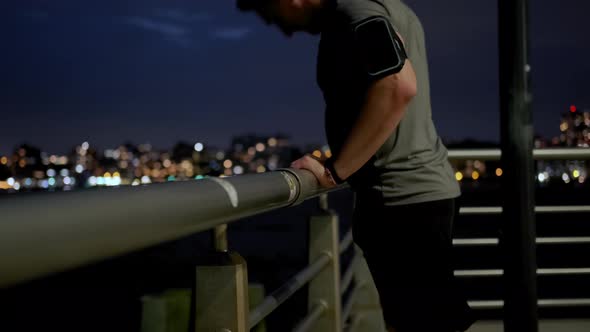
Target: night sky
{"points": [[161, 71]]}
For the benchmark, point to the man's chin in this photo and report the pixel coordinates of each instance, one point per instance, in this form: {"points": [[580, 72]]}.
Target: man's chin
{"points": [[314, 31], [290, 33]]}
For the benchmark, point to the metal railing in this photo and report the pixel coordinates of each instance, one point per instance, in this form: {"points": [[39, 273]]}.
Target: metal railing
{"points": [[538, 154], [68, 230]]}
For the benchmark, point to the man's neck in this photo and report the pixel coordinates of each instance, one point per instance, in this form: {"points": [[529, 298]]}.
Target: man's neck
{"points": [[321, 8], [320, 5], [316, 4]]}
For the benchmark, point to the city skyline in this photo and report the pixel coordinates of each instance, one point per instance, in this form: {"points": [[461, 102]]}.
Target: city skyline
{"points": [[87, 165], [158, 72]]}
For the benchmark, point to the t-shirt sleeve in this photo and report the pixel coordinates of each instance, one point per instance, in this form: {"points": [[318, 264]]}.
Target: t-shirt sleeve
{"points": [[379, 50], [373, 39]]}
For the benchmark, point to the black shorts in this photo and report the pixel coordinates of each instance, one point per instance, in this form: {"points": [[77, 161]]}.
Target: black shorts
{"points": [[408, 251]]}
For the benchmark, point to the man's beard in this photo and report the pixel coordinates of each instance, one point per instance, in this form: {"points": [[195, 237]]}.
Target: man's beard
{"points": [[315, 24]]}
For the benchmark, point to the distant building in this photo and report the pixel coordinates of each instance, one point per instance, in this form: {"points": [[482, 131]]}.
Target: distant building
{"points": [[574, 129]]}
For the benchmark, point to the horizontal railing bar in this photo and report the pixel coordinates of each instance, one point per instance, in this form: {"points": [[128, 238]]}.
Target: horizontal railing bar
{"points": [[347, 307], [565, 271], [480, 210], [538, 209], [347, 277], [42, 234], [307, 322], [562, 209], [274, 300], [479, 273], [562, 153], [563, 240], [495, 304], [541, 272], [475, 242], [549, 303], [472, 154], [541, 240], [538, 154], [564, 303], [346, 242]]}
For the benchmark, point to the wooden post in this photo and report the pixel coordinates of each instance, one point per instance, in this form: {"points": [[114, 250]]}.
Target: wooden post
{"points": [[166, 312], [324, 238], [221, 293]]}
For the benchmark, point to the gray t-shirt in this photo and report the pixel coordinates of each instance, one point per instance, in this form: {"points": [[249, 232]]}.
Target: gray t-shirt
{"points": [[412, 165]]}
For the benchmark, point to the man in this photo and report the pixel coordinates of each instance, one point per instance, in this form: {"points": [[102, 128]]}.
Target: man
{"points": [[373, 72]]}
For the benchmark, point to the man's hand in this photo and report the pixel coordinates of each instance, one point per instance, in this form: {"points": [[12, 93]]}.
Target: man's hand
{"points": [[317, 168]]}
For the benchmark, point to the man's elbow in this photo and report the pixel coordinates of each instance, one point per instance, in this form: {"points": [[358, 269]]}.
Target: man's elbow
{"points": [[407, 90], [407, 87], [401, 87]]}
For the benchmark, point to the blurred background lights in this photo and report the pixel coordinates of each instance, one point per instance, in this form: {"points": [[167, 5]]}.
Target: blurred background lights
{"points": [[238, 170], [199, 147]]}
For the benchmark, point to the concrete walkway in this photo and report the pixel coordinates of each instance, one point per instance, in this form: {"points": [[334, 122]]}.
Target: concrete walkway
{"points": [[544, 326]]}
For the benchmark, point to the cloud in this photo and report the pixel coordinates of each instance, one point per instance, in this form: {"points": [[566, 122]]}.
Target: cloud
{"points": [[173, 32], [231, 33], [160, 27], [183, 16]]}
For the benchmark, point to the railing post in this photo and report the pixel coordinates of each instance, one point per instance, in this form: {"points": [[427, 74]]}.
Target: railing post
{"points": [[324, 238], [367, 314], [221, 293], [518, 187], [166, 312], [220, 238]]}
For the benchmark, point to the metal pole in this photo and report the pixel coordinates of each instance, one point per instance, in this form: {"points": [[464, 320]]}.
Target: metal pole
{"points": [[43, 234], [518, 223], [220, 238]]}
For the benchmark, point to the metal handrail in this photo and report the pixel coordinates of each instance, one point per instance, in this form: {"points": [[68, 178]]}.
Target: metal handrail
{"points": [[348, 276], [538, 209], [540, 240], [545, 303], [346, 242], [76, 228], [347, 307], [538, 154], [307, 322], [540, 272], [69, 229]]}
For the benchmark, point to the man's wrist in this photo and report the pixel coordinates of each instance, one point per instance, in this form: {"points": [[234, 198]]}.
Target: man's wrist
{"points": [[329, 166]]}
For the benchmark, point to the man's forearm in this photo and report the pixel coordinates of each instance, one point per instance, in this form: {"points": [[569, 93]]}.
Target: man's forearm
{"points": [[379, 117]]}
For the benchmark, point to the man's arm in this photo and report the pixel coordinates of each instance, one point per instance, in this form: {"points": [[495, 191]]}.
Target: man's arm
{"points": [[385, 104]]}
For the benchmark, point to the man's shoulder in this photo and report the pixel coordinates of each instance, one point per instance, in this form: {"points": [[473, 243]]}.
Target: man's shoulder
{"points": [[357, 10]]}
